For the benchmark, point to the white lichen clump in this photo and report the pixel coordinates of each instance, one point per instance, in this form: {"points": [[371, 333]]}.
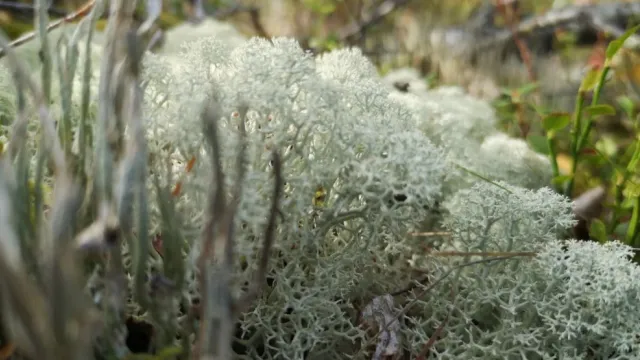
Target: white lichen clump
{"points": [[345, 131], [466, 127], [363, 166]]}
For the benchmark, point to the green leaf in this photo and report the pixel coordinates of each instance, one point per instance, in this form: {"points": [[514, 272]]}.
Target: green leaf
{"points": [[630, 150], [539, 109], [539, 144], [560, 180], [170, 352], [607, 147], [320, 7], [600, 109], [627, 105], [333, 41], [621, 229], [632, 189], [502, 103], [616, 44], [634, 158], [590, 80], [627, 203], [556, 121], [567, 38], [598, 230], [506, 92], [527, 88], [327, 43]]}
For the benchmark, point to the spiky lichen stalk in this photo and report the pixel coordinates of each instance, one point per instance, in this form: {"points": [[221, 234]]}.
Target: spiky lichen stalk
{"points": [[41, 24], [133, 187], [85, 142], [108, 141], [66, 66]]}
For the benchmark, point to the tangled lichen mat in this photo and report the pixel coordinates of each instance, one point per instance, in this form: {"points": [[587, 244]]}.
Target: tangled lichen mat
{"points": [[378, 185]]}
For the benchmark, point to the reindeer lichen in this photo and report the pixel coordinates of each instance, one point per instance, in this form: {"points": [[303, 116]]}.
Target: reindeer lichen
{"points": [[245, 199]]}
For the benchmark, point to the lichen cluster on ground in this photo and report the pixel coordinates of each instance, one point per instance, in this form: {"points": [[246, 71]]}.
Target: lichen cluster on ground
{"points": [[364, 166]]}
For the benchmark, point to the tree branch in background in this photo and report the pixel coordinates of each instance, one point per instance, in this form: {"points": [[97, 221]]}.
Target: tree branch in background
{"points": [[17, 7], [356, 32], [608, 17], [254, 13], [81, 12]]}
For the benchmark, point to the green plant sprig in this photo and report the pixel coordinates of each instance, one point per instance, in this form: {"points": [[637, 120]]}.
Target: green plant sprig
{"points": [[593, 81]]}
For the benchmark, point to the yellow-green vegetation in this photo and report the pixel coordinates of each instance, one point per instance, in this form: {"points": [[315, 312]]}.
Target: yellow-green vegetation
{"points": [[596, 144]]}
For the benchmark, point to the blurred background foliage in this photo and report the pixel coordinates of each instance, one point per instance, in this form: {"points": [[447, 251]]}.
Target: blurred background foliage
{"points": [[527, 77]]}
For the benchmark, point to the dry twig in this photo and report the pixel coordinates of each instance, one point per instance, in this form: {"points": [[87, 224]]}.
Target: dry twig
{"points": [[356, 32], [603, 17], [81, 12], [14, 6]]}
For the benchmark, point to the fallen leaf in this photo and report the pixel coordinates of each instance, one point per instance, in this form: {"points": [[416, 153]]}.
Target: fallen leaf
{"points": [[381, 312]]}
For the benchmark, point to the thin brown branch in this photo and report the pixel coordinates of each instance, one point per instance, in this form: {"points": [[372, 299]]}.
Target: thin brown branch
{"points": [[511, 16], [483, 253], [434, 337], [257, 24], [430, 233], [449, 272], [81, 12]]}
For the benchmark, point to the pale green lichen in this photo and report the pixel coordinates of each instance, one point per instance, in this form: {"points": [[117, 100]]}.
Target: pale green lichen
{"points": [[363, 165]]}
